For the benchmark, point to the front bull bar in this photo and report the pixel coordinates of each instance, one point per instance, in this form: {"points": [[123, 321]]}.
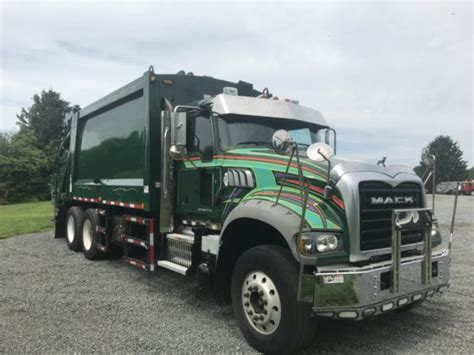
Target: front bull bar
{"points": [[406, 220], [355, 292]]}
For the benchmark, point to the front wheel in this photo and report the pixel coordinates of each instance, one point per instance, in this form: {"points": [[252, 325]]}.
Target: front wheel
{"points": [[264, 298]]}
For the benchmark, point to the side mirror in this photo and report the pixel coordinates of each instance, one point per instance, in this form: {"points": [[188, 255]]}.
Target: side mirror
{"points": [[282, 142], [327, 137], [177, 135], [322, 152]]}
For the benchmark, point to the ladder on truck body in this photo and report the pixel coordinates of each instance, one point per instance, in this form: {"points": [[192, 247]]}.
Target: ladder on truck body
{"points": [[178, 256], [148, 245], [104, 229]]}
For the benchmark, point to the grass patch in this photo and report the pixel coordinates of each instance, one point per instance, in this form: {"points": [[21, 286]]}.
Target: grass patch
{"points": [[24, 218]]}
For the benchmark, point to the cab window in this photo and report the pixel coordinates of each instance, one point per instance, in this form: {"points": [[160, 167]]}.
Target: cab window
{"points": [[199, 133]]}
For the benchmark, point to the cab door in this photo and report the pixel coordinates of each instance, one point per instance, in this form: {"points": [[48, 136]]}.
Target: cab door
{"points": [[200, 177]]}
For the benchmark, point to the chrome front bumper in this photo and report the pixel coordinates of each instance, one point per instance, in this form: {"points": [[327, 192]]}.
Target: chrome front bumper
{"points": [[344, 291]]}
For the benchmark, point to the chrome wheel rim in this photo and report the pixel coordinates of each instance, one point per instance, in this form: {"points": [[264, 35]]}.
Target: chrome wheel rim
{"points": [[87, 234], [261, 302], [71, 229]]}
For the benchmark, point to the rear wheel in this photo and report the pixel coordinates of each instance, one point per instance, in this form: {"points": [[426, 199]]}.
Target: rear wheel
{"points": [[264, 298], [73, 228], [90, 236]]}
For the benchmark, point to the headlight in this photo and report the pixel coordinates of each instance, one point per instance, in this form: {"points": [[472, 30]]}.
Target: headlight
{"points": [[326, 242], [434, 228], [313, 243], [435, 233]]}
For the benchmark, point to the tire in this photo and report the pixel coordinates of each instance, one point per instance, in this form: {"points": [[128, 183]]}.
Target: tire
{"points": [[73, 228], [90, 237], [287, 325]]}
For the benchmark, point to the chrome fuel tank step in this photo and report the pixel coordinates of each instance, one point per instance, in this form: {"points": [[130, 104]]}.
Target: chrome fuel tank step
{"points": [[178, 252]]}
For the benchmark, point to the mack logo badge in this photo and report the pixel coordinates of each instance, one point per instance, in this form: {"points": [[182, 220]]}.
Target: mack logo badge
{"points": [[391, 200]]}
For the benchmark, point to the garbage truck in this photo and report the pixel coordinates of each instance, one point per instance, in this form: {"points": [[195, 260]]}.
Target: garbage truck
{"points": [[244, 190]]}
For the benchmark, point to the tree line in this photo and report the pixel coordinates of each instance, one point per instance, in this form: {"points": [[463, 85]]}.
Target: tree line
{"points": [[450, 165], [27, 156]]}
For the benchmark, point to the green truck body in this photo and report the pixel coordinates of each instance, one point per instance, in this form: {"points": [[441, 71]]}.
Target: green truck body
{"points": [[186, 173], [117, 139]]}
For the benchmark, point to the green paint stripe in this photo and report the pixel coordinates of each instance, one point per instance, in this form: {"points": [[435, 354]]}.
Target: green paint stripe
{"points": [[314, 220], [235, 200], [282, 158], [257, 166], [331, 214], [290, 199]]}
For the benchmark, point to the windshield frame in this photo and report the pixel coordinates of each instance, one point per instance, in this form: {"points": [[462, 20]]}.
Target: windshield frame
{"points": [[216, 117]]}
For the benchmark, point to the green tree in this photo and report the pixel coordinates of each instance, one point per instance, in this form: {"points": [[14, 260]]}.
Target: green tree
{"points": [[27, 157], [45, 117], [470, 173], [4, 141], [24, 169], [450, 165]]}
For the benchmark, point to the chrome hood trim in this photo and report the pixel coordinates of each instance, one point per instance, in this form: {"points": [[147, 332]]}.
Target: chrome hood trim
{"points": [[343, 166]]}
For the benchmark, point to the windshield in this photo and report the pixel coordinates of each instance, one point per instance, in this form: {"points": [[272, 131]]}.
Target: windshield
{"points": [[246, 131]]}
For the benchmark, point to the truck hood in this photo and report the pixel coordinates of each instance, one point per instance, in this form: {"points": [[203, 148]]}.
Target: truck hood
{"points": [[342, 166]]}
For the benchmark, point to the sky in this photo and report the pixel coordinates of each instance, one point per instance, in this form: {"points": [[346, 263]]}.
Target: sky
{"points": [[388, 76]]}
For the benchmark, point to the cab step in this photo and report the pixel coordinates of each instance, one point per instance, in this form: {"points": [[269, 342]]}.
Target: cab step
{"points": [[179, 249], [173, 266]]}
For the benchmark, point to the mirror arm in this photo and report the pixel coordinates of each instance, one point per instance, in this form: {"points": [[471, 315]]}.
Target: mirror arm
{"points": [[328, 161], [285, 175], [328, 189], [185, 108]]}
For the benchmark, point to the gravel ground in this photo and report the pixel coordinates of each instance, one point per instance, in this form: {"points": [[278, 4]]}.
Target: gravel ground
{"points": [[54, 300]]}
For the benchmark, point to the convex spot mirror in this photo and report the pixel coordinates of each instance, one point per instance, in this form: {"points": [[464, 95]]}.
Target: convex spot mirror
{"points": [[426, 157], [178, 152], [319, 152], [282, 142]]}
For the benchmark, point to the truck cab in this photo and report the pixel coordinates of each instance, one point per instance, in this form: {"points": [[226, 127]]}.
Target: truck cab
{"points": [[245, 189]]}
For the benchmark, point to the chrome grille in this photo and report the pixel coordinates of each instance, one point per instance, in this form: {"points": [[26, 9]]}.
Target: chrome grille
{"points": [[377, 201]]}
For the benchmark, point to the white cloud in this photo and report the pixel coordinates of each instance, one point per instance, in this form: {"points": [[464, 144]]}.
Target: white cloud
{"points": [[397, 71]]}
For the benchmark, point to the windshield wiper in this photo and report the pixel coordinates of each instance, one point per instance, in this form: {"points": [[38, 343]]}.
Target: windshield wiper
{"points": [[256, 143]]}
